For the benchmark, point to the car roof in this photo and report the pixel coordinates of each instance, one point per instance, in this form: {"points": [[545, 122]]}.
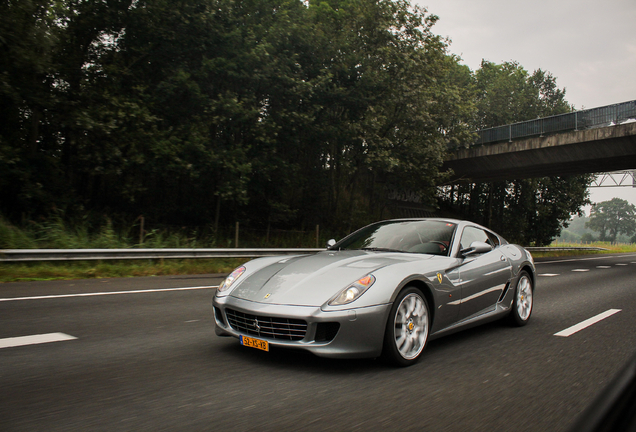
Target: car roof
{"points": [[436, 219], [458, 222]]}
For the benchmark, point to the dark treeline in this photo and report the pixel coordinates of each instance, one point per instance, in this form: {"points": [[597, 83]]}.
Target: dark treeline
{"points": [[280, 113], [527, 211]]}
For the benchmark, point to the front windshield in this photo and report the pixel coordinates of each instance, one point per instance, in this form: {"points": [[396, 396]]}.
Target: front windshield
{"points": [[423, 236]]}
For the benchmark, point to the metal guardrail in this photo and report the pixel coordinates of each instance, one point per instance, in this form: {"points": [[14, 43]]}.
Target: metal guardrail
{"points": [[560, 249], [584, 119], [26, 255], [33, 255]]}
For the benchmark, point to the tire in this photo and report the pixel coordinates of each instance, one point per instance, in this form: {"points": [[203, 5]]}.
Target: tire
{"points": [[407, 328], [521, 308]]}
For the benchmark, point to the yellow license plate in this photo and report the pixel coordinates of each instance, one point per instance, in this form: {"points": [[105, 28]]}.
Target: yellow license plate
{"points": [[255, 343]]}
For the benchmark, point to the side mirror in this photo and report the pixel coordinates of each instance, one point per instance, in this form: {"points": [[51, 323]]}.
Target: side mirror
{"points": [[476, 247], [330, 243]]}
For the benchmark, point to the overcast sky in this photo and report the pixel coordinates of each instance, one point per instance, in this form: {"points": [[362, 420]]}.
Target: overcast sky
{"points": [[589, 46], [605, 194]]}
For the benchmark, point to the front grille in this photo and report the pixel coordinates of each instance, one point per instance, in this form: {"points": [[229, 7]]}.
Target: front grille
{"points": [[267, 327]]}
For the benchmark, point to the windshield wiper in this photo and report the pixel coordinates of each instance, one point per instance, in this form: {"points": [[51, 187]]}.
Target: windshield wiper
{"points": [[378, 249]]}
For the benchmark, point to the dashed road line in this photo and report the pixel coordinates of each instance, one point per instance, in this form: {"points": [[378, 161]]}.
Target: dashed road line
{"points": [[581, 269], [588, 322], [34, 339]]}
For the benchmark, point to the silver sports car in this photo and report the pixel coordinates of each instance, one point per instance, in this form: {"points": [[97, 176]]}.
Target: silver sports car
{"points": [[384, 290]]}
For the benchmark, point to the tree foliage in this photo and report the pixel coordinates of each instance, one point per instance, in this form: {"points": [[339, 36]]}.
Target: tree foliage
{"points": [[525, 211], [507, 93], [272, 112], [209, 111], [611, 218]]}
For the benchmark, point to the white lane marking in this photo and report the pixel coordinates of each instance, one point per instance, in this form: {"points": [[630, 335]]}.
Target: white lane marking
{"points": [[94, 294], [603, 267], [621, 264], [34, 339], [588, 322], [549, 274], [581, 270]]}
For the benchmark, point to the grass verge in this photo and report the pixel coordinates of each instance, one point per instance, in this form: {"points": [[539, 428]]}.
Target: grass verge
{"points": [[43, 271], [16, 272], [610, 249]]}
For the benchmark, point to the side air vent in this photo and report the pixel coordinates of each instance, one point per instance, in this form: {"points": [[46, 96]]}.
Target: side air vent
{"points": [[325, 332], [504, 292], [219, 316]]}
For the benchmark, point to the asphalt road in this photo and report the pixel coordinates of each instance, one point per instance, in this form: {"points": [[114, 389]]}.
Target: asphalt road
{"points": [[150, 361]]}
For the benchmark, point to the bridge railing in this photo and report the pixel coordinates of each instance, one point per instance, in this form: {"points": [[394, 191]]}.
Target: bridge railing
{"points": [[585, 119]]}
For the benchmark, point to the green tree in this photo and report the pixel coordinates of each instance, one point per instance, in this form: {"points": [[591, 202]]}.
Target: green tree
{"points": [[588, 238], [611, 218], [526, 211], [207, 111], [358, 99], [28, 33], [507, 93]]}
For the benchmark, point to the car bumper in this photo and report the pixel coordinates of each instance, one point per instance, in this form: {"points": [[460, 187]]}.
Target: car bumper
{"points": [[351, 333]]}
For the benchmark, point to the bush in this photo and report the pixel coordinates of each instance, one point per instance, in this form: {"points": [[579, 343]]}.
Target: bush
{"points": [[12, 237], [587, 238]]}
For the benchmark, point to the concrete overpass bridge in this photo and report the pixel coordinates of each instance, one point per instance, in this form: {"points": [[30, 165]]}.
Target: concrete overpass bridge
{"points": [[591, 141]]}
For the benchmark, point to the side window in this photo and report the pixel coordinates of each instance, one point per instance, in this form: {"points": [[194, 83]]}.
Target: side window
{"points": [[472, 234], [493, 240]]}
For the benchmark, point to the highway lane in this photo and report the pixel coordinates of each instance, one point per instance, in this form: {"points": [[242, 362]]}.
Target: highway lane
{"points": [[151, 361]]}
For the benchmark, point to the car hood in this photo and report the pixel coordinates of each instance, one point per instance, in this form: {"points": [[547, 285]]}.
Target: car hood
{"points": [[313, 279]]}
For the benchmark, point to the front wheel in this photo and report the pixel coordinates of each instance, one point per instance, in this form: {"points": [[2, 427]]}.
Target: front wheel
{"points": [[407, 328], [522, 304]]}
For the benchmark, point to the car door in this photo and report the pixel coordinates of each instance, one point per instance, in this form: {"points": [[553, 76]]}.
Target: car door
{"points": [[483, 276]]}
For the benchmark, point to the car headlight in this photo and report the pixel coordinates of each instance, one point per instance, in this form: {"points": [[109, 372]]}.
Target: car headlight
{"points": [[229, 281], [353, 291]]}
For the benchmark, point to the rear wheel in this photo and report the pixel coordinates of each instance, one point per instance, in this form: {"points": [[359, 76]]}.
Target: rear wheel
{"points": [[522, 304], [407, 328]]}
